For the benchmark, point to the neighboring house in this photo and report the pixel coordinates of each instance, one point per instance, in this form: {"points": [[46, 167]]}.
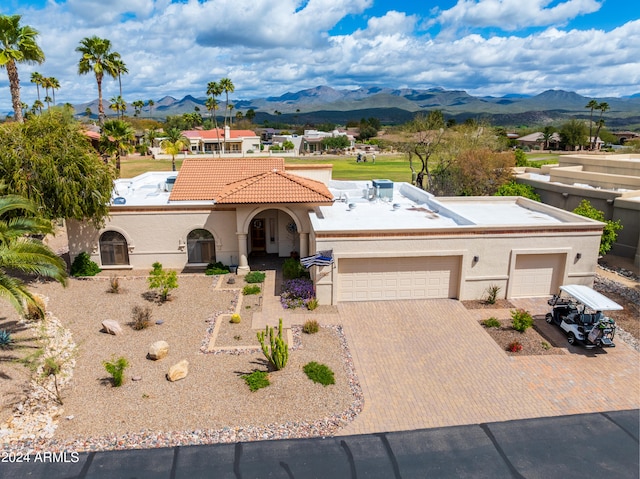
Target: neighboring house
{"points": [[385, 240], [624, 136], [223, 140], [611, 183], [536, 141], [312, 140]]}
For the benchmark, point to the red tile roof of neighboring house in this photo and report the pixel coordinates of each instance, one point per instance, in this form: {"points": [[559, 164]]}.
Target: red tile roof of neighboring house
{"points": [[219, 133], [244, 180]]}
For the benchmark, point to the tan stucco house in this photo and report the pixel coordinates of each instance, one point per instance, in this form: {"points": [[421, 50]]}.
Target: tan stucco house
{"points": [[386, 241]]}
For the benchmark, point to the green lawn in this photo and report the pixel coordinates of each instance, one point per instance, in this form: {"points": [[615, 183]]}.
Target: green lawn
{"points": [[136, 165], [392, 167]]}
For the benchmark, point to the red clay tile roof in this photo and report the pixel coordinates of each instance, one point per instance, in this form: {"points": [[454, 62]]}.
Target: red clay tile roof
{"points": [[244, 180], [275, 187]]}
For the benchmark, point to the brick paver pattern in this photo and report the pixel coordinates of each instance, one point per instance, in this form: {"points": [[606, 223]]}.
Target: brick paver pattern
{"points": [[429, 363]]}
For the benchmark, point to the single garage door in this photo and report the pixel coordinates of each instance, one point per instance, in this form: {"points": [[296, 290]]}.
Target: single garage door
{"points": [[376, 279], [537, 275]]}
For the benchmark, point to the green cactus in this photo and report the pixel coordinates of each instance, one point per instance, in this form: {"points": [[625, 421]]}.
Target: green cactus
{"points": [[278, 353]]}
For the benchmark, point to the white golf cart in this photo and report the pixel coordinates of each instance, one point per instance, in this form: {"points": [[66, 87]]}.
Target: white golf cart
{"points": [[578, 310]]}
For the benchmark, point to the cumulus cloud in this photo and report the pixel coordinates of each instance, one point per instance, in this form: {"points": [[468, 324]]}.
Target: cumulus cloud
{"points": [[511, 15]]}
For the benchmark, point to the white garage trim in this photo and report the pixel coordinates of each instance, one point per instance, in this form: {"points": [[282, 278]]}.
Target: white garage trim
{"points": [[379, 279], [537, 274]]}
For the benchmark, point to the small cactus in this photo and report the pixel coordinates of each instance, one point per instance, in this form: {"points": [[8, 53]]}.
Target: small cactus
{"points": [[278, 354]]}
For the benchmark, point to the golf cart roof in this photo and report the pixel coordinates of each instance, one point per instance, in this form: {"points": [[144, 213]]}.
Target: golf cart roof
{"points": [[590, 298]]}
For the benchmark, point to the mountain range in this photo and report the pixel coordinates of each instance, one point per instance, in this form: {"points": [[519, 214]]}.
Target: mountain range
{"points": [[392, 106]]}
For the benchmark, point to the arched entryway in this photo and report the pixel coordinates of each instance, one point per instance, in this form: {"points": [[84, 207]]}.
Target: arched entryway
{"points": [[201, 247], [272, 232], [114, 250]]}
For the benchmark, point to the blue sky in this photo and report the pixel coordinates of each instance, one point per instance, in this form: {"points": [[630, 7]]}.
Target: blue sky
{"points": [[266, 47]]}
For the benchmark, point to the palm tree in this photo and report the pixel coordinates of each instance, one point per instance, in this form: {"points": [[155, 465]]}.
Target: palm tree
{"points": [[211, 104], [37, 79], [98, 58], [17, 45], [87, 112], [230, 108], [20, 252], [214, 89], [592, 105], [37, 106], [604, 106], [173, 144], [54, 84], [150, 103], [121, 68], [138, 105], [227, 87], [116, 139], [46, 84], [118, 105]]}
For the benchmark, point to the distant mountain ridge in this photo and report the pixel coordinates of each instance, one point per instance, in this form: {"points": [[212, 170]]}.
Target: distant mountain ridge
{"points": [[325, 101]]}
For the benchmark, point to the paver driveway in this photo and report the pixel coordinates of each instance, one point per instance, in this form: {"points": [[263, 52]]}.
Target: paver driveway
{"points": [[429, 363]]}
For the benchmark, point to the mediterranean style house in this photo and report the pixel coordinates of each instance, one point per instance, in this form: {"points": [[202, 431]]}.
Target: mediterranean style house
{"points": [[378, 240]]}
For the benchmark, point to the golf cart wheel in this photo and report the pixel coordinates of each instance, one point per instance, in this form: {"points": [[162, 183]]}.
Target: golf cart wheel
{"points": [[548, 318], [571, 338]]}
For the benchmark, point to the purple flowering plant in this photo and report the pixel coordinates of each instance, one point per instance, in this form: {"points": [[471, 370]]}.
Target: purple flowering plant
{"points": [[296, 293]]}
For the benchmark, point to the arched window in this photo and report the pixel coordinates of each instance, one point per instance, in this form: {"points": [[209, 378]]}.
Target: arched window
{"points": [[113, 249], [201, 247]]}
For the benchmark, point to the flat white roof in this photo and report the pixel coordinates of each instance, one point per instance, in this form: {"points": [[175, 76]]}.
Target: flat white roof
{"points": [[359, 206], [147, 189]]}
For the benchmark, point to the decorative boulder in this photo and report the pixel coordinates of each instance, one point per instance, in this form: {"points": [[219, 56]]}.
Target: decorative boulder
{"points": [[178, 371], [158, 350], [111, 326]]}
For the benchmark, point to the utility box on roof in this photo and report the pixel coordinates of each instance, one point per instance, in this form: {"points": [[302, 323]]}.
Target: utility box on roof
{"points": [[383, 189]]}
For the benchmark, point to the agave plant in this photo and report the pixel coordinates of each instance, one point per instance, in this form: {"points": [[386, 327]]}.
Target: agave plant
{"points": [[5, 338]]}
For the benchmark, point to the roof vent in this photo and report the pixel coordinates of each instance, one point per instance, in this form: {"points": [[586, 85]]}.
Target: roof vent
{"points": [[119, 201], [396, 206], [351, 206]]}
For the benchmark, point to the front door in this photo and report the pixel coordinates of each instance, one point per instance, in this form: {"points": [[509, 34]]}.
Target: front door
{"points": [[258, 238]]}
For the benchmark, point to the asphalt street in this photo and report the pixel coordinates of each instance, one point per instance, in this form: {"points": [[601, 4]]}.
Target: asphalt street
{"points": [[599, 445]]}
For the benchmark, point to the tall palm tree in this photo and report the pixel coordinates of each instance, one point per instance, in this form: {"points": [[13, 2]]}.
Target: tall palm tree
{"points": [[20, 252], [54, 84], [227, 87], [121, 68], [604, 106], [98, 58], [46, 84], [118, 105], [173, 144], [214, 89], [116, 139], [37, 106], [592, 105], [150, 103], [138, 105], [17, 45], [37, 79], [230, 107]]}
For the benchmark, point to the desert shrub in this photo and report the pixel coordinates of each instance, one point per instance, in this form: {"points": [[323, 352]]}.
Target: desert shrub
{"points": [[276, 349], [312, 304], [256, 380], [255, 277], [491, 293], [216, 268], [292, 268], [319, 373], [251, 289], [5, 339], [610, 230], [162, 280], [310, 326], [83, 266], [53, 367], [114, 284], [296, 293], [141, 317], [35, 309], [116, 368], [521, 320], [545, 345], [491, 323], [235, 318], [514, 347]]}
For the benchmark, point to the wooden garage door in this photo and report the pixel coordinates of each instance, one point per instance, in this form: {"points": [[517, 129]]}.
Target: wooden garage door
{"points": [[537, 275], [377, 279]]}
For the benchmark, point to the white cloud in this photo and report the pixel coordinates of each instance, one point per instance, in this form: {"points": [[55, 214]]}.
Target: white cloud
{"points": [[511, 15]]}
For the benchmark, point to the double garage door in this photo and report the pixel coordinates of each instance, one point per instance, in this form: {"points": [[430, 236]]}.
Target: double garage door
{"points": [[376, 279]]}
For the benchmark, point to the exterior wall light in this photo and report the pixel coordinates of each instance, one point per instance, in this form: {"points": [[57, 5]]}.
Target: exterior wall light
{"points": [[578, 256], [565, 195], [476, 259]]}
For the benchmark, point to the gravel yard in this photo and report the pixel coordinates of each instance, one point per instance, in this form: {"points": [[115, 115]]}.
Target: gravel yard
{"points": [[212, 398]]}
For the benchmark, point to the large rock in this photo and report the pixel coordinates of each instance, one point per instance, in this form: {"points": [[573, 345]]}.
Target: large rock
{"points": [[111, 326], [158, 350], [178, 370]]}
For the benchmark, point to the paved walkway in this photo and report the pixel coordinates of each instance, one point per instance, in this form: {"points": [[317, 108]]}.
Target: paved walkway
{"points": [[429, 363]]}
